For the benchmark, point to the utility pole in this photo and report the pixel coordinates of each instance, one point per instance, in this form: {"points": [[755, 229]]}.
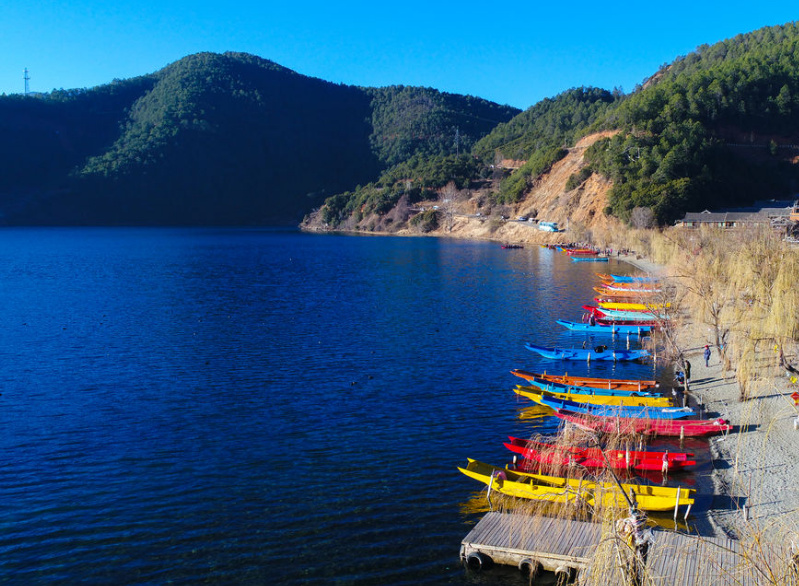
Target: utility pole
{"points": [[27, 78]]}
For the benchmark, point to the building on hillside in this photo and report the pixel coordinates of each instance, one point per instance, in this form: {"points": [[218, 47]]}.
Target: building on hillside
{"points": [[780, 215], [511, 164]]}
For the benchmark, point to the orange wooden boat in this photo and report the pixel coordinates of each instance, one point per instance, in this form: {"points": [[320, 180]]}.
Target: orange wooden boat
{"points": [[587, 381]]}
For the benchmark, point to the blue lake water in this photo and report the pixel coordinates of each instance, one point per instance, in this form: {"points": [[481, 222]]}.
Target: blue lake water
{"points": [[262, 407]]}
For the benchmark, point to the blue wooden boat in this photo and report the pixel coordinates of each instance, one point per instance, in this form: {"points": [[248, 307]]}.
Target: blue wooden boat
{"points": [[589, 259], [614, 410], [552, 387], [597, 353], [632, 279], [604, 329]]}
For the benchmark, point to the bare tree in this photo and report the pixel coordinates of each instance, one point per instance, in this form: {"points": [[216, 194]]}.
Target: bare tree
{"points": [[642, 218], [448, 196]]}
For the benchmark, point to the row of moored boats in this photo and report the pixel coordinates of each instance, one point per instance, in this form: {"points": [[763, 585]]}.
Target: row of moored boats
{"points": [[607, 408]]}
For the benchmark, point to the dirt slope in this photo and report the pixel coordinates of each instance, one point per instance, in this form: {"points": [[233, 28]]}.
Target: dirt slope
{"points": [[578, 211], [583, 205]]}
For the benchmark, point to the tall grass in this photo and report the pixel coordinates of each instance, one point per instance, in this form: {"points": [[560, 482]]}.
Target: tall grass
{"points": [[741, 286]]}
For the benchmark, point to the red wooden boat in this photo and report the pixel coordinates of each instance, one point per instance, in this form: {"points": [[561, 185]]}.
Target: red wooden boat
{"points": [[535, 453], [643, 426], [626, 322], [602, 318], [581, 252], [604, 291]]}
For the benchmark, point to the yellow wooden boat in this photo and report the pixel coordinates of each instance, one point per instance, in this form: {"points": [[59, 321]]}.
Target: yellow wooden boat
{"points": [[624, 306], [534, 392], [555, 489], [648, 497], [519, 485]]}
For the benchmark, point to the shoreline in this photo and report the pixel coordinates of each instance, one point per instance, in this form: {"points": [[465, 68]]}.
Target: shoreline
{"points": [[754, 467], [750, 490]]}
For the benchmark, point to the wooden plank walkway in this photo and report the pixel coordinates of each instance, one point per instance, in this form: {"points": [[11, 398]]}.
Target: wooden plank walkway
{"points": [[554, 543], [675, 559]]}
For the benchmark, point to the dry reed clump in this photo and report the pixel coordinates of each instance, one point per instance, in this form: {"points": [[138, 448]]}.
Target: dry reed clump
{"points": [[617, 559], [739, 288], [739, 292]]}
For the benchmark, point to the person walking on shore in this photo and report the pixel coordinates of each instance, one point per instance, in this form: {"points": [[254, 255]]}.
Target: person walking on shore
{"points": [[707, 355]]}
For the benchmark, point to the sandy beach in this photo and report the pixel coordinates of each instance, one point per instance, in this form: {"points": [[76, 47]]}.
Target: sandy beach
{"points": [[756, 466]]}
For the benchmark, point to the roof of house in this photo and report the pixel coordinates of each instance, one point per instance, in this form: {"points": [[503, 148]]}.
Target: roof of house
{"points": [[760, 211], [707, 217]]}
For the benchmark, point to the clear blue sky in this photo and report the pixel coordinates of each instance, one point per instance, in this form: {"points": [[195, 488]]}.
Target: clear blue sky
{"points": [[511, 52]]}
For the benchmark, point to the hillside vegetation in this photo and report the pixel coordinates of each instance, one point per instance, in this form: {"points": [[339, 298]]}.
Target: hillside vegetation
{"points": [[718, 127], [216, 139], [715, 129]]}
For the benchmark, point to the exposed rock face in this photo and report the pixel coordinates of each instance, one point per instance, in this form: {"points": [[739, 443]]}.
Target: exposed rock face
{"points": [[579, 211]]}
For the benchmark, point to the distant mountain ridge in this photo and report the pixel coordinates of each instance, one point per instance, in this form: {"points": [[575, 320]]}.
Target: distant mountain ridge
{"points": [[234, 139], [216, 139]]}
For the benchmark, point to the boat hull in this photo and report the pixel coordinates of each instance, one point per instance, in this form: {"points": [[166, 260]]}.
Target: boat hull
{"points": [[615, 400], [554, 489], [625, 412], [604, 329], [587, 354], [587, 457], [640, 426], [627, 316], [584, 390], [587, 381], [589, 259]]}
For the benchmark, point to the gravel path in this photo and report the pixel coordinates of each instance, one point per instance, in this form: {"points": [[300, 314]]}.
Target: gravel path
{"points": [[755, 473]]}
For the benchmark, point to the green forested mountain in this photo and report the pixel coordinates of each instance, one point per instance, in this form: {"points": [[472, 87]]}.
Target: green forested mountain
{"points": [[718, 127], [536, 135], [539, 135], [715, 128], [215, 139], [235, 139], [421, 121], [551, 122]]}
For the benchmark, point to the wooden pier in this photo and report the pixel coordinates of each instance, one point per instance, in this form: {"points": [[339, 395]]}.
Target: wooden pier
{"points": [[566, 547], [559, 545]]}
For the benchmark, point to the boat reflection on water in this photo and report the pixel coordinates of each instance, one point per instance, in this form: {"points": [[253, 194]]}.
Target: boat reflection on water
{"points": [[476, 505], [536, 412]]}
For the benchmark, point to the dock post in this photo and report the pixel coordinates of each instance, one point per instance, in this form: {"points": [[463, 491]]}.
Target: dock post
{"points": [[563, 574], [677, 504], [530, 568]]}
